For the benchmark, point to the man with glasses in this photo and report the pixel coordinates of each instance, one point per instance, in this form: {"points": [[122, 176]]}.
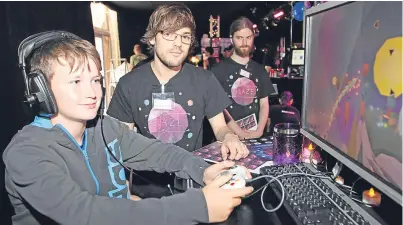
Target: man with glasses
{"points": [[168, 99]]}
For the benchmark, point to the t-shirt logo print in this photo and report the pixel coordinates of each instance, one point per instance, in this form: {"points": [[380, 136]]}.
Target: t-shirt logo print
{"points": [[243, 91], [116, 172], [168, 126]]}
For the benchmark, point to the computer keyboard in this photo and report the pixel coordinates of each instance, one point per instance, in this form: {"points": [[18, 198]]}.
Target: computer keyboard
{"points": [[316, 201]]}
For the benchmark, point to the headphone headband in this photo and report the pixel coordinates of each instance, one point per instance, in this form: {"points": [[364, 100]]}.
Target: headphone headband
{"points": [[33, 42]]}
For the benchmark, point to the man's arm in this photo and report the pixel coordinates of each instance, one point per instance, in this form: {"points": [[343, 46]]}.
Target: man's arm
{"points": [[263, 116], [231, 146], [40, 177], [233, 125], [237, 129], [131, 126], [120, 105], [266, 88], [142, 153], [216, 101], [219, 127]]}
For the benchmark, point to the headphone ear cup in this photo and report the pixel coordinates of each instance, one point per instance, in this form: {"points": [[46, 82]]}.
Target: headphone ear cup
{"points": [[39, 86]]}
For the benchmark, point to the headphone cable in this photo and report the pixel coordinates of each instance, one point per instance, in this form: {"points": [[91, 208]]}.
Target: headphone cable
{"points": [[114, 157]]}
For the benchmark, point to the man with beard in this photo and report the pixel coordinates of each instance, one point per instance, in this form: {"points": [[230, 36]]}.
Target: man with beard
{"points": [[168, 99], [246, 82]]}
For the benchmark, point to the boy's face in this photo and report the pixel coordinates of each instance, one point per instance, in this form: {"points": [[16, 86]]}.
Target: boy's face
{"points": [[78, 94], [170, 48]]}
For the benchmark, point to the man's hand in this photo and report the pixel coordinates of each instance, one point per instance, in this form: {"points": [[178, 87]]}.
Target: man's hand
{"points": [[233, 148], [221, 202], [253, 134], [132, 197], [212, 172], [135, 198]]}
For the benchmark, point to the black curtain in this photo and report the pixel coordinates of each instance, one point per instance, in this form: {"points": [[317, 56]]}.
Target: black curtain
{"points": [[17, 21], [132, 25]]}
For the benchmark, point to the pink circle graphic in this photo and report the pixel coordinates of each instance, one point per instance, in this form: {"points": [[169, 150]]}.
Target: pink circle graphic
{"points": [[168, 126], [243, 91]]}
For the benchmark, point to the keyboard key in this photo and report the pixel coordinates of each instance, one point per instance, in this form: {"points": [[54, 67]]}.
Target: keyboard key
{"points": [[308, 221], [310, 213], [301, 214], [322, 211], [313, 200]]}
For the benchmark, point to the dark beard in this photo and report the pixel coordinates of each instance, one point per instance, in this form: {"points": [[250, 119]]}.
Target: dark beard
{"points": [[169, 64], [242, 53]]}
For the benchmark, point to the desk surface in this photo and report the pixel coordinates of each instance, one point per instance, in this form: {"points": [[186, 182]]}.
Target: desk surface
{"points": [[251, 212]]}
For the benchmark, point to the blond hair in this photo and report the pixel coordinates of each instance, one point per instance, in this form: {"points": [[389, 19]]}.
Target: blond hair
{"points": [[77, 53]]}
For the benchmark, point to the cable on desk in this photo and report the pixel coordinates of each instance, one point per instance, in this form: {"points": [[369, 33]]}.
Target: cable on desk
{"points": [[281, 186], [256, 191], [352, 186]]}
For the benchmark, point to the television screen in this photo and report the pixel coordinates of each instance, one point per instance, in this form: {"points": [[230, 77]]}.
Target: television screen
{"points": [[354, 84], [297, 57]]}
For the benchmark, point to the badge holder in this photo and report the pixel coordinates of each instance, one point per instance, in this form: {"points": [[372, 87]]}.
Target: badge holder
{"points": [[163, 100]]}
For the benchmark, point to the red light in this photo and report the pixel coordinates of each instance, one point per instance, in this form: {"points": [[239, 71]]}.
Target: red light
{"points": [[279, 14]]}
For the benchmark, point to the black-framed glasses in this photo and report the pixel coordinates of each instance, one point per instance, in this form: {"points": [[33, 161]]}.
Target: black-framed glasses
{"points": [[186, 39]]}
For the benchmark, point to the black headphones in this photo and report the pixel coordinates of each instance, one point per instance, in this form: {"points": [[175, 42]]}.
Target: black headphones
{"points": [[37, 89]]}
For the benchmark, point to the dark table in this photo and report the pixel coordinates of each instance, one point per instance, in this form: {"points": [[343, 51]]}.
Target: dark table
{"points": [[251, 212]]}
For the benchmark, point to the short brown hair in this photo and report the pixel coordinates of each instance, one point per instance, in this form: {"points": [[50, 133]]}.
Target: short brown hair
{"points": [[76, 52], [239, 24], [169, 18]]}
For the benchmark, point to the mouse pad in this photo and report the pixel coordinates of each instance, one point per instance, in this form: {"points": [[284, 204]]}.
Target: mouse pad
{"points": [[261, 151]]}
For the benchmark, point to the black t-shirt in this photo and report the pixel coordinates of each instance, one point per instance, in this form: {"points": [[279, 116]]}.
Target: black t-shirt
{"points": [[245, 92], [197, 94], [283, 114], [211, 62]]}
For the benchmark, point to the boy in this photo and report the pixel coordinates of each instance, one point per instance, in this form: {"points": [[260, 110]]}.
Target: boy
{"points": [[58, 170]]}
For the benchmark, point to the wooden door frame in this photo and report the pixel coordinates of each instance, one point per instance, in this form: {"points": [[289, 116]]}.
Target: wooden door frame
{"points": [[106, 50]]}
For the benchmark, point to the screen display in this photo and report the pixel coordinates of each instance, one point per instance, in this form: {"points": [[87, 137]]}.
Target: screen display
{"points": [[275, 90], [354, 84], [297, 57]]}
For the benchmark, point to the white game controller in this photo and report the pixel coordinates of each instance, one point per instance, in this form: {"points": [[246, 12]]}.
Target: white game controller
{"points": [[238, 179]]}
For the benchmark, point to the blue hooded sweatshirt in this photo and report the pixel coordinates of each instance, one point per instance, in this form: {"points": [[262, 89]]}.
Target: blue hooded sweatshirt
{"points": [[51, 179]]}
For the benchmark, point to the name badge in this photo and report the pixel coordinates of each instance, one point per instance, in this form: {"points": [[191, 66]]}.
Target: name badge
{"points": [[244, 73], [166, 104]]}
